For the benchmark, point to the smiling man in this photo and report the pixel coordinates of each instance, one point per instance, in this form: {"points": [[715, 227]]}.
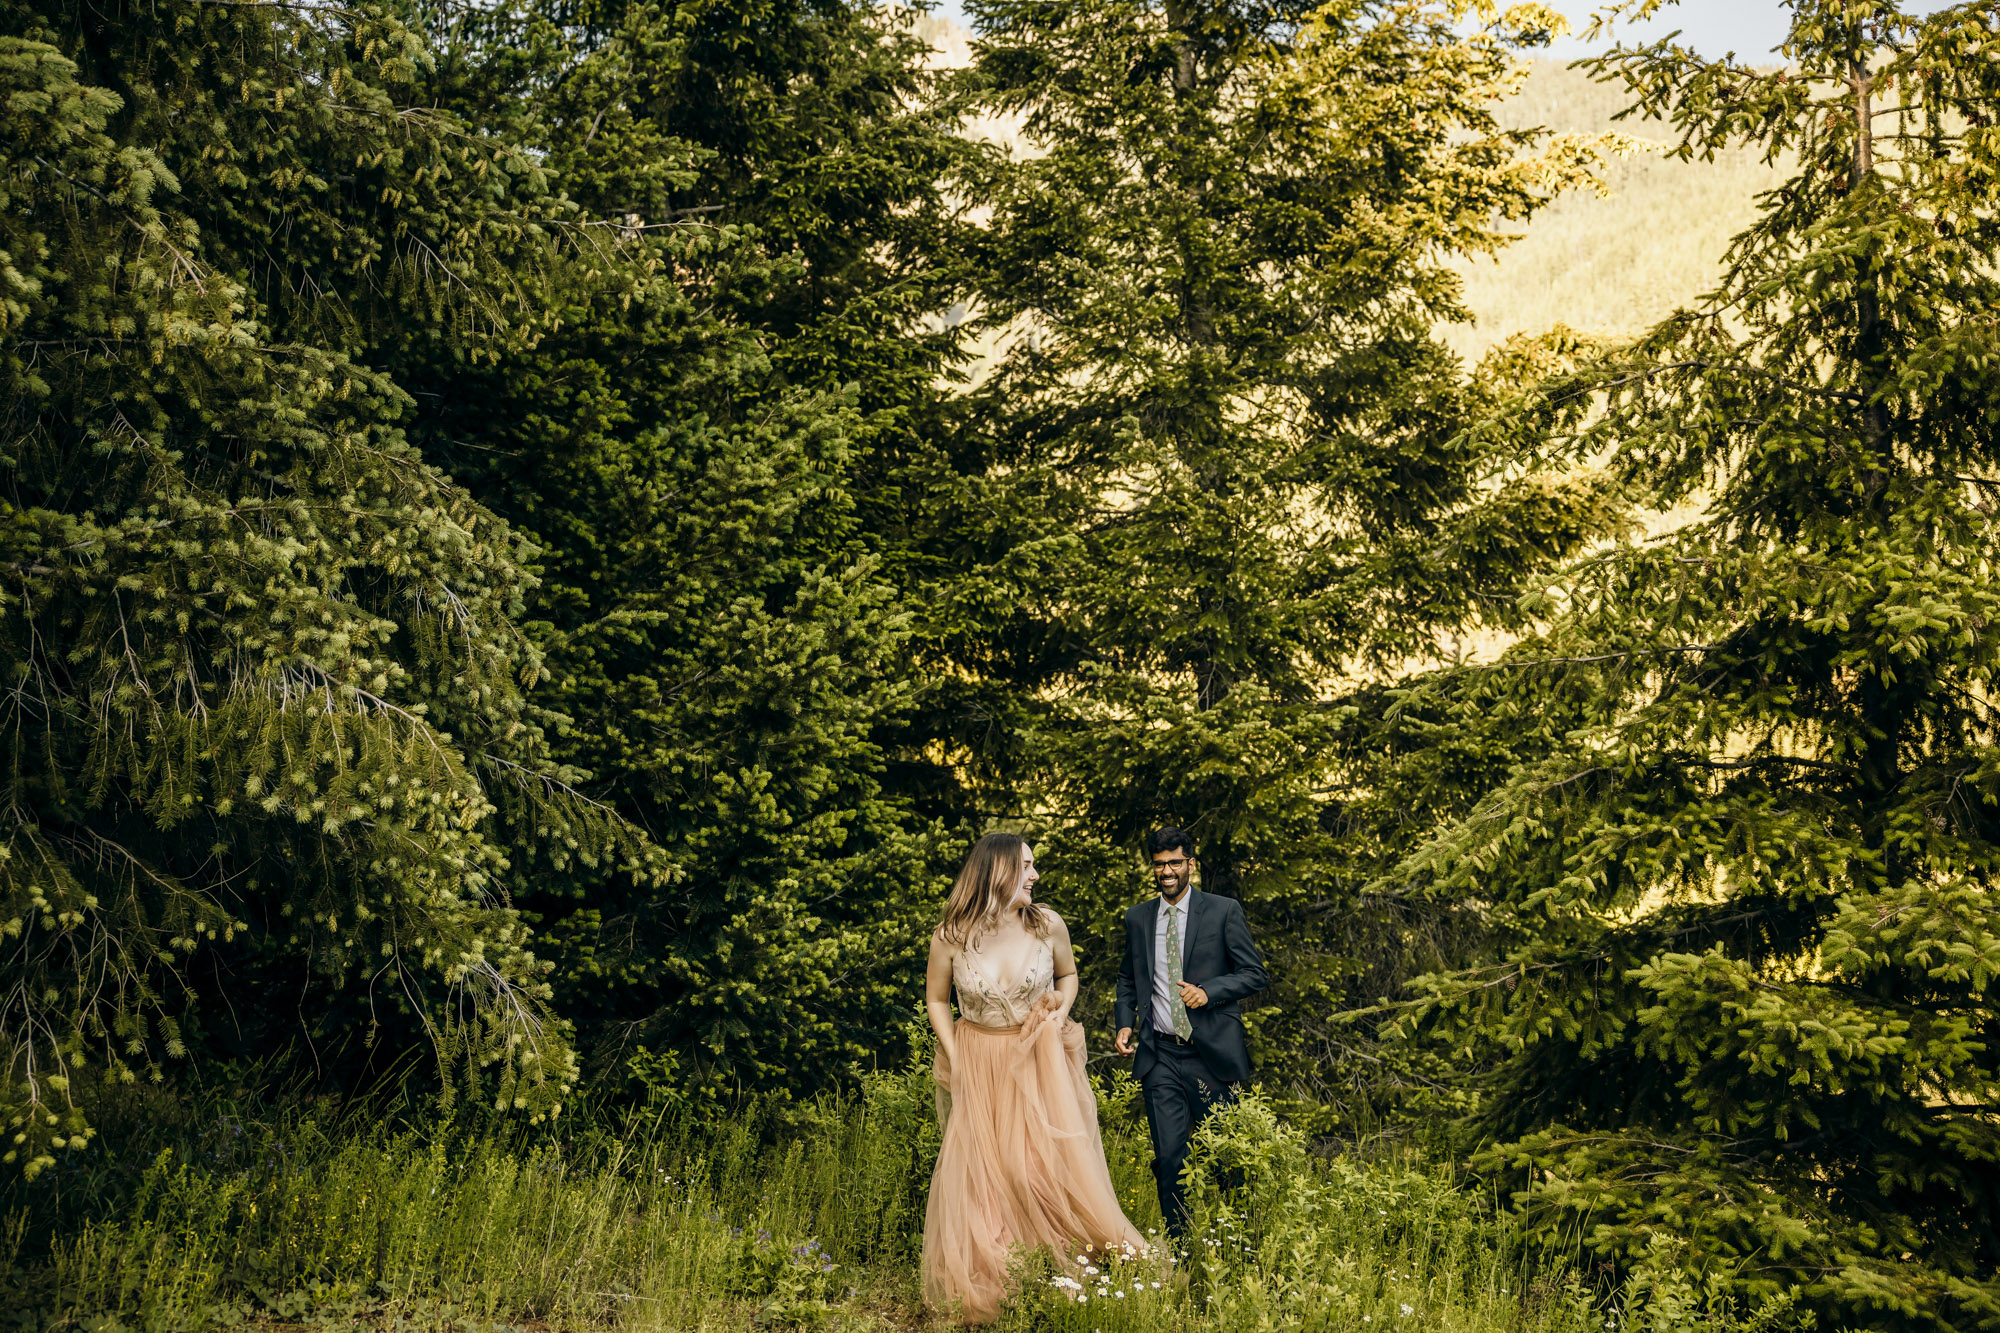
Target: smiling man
{"points": [[1188, 959]]}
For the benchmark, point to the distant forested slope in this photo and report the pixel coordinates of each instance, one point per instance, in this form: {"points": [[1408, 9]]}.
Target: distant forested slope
{"points": [[1603, 265], [1610, 265]]}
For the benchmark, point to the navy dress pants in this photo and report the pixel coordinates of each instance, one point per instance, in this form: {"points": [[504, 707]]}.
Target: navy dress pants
{"points": [[1179, 1093]]}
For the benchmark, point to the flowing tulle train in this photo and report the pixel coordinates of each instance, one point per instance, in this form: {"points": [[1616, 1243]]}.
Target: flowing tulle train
{"points": [[1021, 1165]]}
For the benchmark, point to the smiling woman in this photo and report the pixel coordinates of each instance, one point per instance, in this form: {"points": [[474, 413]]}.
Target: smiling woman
{"points": [[1022, 1163]]}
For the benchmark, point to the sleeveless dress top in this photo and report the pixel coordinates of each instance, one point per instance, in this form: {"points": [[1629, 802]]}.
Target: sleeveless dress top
{"points": [[994, 1002]]}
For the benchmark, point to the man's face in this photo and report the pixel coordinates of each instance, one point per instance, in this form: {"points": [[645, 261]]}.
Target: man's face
{"points": [[1171, 870]]}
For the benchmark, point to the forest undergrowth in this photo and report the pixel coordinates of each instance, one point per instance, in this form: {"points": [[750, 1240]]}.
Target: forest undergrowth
{"points": [[772, 1216]]}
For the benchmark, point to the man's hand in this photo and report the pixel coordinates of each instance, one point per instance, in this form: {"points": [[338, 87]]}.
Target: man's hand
{"points": [[1124, 1045], [1193, 996]]}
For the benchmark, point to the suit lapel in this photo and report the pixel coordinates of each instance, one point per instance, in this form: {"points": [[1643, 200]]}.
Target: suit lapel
{"points": [[1197, 913], [1151, 931]]}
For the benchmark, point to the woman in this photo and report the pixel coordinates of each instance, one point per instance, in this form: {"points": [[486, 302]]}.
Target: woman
{"points": [[1022, 1163]]}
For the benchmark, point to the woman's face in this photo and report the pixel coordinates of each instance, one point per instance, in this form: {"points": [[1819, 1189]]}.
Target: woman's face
{"points": [[1024, 893]]}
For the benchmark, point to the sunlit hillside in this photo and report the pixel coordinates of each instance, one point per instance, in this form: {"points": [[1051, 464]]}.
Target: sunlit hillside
{"points": [[1609, 265]]}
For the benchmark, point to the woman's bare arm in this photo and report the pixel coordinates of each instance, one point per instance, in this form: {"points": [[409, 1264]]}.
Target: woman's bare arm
{"points": [[937, 997], [1065, 966]]}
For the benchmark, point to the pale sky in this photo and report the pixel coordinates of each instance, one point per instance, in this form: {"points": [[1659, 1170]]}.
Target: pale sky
{"points": [[1750, 28]]}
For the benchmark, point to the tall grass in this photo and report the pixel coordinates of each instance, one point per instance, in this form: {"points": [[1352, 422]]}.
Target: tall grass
{"points": [[683, 1222], [661, 1226], [1283, 1240]]}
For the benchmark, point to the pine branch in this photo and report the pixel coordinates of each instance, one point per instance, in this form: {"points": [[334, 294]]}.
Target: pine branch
{"points": [[1507, 664]]}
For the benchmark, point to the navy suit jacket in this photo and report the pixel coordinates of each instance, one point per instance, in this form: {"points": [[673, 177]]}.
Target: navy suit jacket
{"points": [[1219, 956]]}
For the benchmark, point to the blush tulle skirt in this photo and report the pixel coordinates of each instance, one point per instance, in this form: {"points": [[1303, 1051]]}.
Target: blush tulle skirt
{"points": [[1021, 1165]]}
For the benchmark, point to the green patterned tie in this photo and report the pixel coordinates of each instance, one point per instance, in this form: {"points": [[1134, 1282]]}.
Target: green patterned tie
{"points": [[1177, 1006]]}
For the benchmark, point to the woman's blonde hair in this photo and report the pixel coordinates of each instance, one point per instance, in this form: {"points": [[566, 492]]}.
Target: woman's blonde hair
{"points": [[986, 883]]}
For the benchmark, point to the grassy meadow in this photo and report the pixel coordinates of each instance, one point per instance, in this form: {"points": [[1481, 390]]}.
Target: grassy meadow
{"points": [[672, 1220]]}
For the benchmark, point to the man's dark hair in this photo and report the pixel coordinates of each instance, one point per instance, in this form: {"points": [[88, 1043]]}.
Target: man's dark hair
{"points": [[1168, 838]]}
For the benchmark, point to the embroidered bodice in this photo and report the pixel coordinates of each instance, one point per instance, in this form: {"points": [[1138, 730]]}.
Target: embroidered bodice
{"points": [[1002, 1002]]}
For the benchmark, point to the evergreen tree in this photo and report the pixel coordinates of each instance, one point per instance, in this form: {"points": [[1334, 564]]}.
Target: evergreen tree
{"points": [[269, 765], [1234, 481], [1747, 1000], [723, 466]]}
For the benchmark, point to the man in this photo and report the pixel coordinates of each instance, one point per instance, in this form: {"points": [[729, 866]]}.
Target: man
{"points": [[1188, 959]]}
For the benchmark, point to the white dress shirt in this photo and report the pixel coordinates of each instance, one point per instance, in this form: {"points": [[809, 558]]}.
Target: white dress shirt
{"points": [[1163, 1005]]}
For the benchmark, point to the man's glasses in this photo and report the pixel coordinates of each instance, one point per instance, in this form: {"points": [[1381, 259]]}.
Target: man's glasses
{"points": [[1174, 866]]}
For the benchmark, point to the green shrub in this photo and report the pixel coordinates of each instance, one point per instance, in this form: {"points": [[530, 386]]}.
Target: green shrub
{"points": [[1281, 1238]]}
